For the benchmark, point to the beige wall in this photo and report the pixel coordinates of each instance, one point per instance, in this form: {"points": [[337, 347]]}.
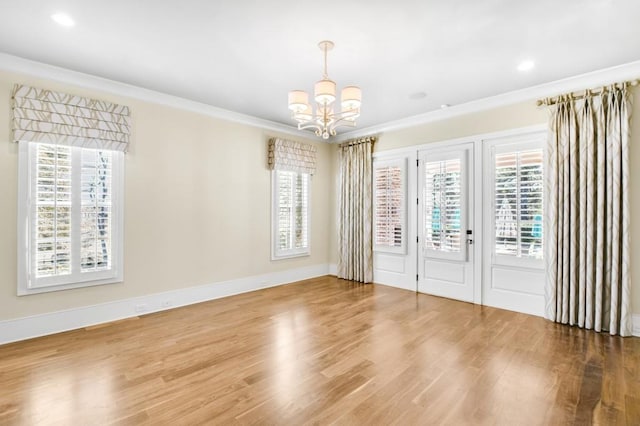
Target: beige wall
{"points": [[193, 216], [506, 118], [197, 205]]}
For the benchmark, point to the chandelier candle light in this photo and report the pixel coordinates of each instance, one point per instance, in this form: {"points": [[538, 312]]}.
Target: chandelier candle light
{"points": [[325, 120]]}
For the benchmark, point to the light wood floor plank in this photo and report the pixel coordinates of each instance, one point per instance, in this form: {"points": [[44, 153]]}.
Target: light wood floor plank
{"points": [[323, 351]]}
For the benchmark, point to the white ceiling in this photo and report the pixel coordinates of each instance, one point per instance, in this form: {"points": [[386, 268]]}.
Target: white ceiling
{"points": [[245, 55]]}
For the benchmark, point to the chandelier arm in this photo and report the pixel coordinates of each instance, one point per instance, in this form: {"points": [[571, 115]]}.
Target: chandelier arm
{"points": [[309, 125], [344, 123]]}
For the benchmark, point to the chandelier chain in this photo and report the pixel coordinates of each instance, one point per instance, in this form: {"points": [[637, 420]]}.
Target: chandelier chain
{"points": [[325, 74]]}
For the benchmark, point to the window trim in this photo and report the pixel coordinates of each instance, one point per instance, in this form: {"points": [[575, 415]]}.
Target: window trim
{"points": [[25, 286], [501, 147], [400, 162], [277, 254], [444, 155]]}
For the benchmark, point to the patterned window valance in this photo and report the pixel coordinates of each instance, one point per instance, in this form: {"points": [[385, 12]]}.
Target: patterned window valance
{"points": [[292, 156], [51, 117]]}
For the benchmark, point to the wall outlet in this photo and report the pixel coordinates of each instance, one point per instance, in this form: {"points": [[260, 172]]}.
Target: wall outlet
{"points": [[141, 307]]}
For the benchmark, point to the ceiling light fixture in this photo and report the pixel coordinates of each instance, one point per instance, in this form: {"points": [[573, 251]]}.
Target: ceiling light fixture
{"points": [[526, 65], [325, 120], [63, 19]]}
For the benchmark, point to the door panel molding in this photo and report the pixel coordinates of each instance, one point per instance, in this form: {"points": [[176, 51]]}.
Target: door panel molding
{"points": [[445, 209]]}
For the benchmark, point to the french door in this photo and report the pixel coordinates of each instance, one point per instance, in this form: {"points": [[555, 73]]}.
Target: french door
{"points": [[445, 219], [513, 245]]}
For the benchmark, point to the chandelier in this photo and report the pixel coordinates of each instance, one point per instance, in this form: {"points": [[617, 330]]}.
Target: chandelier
{"points": [[325, 119]]}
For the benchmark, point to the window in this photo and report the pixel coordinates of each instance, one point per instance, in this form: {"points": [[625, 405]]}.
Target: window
{"points": [[70, 214], [290, 203], [443, 205], [517, 203], [389, 205]]}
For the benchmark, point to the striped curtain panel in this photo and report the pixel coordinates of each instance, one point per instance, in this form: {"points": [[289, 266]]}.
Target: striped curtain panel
{"points": [[355, 242], [587, 251], [292, 156], [52, 117]]}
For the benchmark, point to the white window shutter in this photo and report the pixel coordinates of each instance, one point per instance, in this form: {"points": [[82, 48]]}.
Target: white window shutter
{"points": [[444, 206], [518, 208], [290, 228], [389, 205], [73, 217], [51, 214]]}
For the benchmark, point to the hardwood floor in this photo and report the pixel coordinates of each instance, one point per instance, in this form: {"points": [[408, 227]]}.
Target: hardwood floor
{"points": [[324, 351]]}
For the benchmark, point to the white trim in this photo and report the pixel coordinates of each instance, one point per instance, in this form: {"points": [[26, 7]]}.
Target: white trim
{"points": [[24, 328], [28, 283], [636, 325], [478, 216], [519, 307], [35, 69], [520, 131], [618, 73], [601, 77], [276, 253], [396, 283]]}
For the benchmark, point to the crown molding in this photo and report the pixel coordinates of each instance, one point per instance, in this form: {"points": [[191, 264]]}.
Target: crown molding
{"points": [[602, 77], [605, 76], [35, 69]]}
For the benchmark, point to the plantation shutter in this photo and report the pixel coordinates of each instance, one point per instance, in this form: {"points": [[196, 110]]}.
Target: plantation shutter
{"points": [[518, 203], [300, 205], [72, 217], [292, 232], [51, 210], [291, 156], [285, 209], [389, 205], [444, 206], [58, 118]]}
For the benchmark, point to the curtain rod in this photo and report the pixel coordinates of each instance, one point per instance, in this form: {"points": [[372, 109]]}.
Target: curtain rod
{"points": [[582, 94], [358, 141]]}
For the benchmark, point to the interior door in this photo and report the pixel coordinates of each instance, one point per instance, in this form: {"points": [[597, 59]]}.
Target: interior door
{"points": [[445, 215]]}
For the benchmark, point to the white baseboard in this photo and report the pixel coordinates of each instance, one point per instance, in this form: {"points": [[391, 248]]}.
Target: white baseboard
{"points": [[636, 325], [392, 279], [24, 328], [394, 283]]}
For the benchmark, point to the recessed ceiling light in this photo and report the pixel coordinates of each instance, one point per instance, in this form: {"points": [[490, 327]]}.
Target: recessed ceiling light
{"points": [[444, 106], [526, 65], [63, 19]]}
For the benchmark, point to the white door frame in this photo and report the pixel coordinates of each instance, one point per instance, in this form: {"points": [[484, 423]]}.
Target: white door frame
{"points": [[477, 186], [528, 295], [474, 186]]}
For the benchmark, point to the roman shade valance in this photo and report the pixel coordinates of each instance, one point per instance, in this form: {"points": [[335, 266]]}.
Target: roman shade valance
{"points": [[45, 116], [292, 156]]}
